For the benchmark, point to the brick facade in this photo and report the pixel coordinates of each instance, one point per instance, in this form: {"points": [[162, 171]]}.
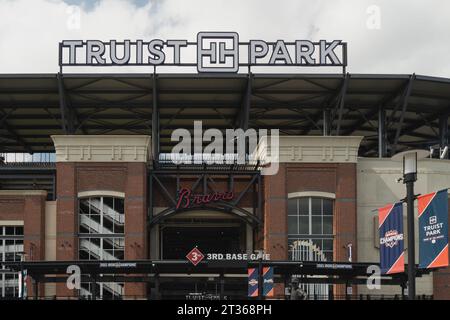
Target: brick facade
{"points": [[29, 207], [326, 175], [129, 178], [336, 178]]}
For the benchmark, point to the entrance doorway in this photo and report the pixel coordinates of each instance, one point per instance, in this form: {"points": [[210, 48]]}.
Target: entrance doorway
{"points": [[179, 236], [177, 241]]}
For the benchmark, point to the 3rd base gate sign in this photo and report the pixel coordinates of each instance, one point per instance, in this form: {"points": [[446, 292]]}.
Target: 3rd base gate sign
{"points": [[195, 256]]}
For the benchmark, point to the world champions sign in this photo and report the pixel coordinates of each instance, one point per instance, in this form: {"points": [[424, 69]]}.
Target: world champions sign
{"points": [[212, 52]]}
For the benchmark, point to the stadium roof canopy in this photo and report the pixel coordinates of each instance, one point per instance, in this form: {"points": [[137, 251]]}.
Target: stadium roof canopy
{"points": [[35, 106]]}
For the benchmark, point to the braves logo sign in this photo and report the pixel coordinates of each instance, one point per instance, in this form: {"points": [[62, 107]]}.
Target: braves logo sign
{"points": [[391, 238], [186, 198]]}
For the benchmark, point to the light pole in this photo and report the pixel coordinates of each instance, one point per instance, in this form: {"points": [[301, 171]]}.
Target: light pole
{"points": [[409, 159]]}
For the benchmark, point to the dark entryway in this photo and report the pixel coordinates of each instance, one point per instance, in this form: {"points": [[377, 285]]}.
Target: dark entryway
{"points": [[179, 237], [177, 241]]}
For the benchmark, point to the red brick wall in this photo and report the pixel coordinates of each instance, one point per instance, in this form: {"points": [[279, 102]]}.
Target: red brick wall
{"points": [[129, 178], [339, 179], [136, 220], [30, 209]]}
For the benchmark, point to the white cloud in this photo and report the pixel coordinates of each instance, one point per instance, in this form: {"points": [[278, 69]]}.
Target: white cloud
{"points": [[412, 36]]}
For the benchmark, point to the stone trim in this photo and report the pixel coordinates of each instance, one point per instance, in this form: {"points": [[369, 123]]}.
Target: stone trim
{"points": [[317, 194], [102, 148], [310, 149], [23, 193], [11, 223], [101, 193]]}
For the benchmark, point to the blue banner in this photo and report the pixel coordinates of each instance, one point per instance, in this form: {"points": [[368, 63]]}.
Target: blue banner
{"points": [[390, 226], [252, 282], [268, 281], [433, 230]]}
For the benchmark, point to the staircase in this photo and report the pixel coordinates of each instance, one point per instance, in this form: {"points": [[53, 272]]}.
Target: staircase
{"points": [[96, 251]]}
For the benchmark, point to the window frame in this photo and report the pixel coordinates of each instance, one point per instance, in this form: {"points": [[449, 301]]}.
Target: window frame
{"points": [[318, 239], [102, 236], [18, 240]]}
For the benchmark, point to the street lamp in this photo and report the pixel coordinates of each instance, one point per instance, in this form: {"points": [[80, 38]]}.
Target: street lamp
{"points": [[409, 159]]}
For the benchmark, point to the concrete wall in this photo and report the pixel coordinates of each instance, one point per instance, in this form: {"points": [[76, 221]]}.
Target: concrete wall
{"points": [[376, 187]]}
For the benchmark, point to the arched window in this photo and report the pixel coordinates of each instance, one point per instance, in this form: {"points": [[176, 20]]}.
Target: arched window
{"points": [[310, 234], [310, 220], [101, 236]]}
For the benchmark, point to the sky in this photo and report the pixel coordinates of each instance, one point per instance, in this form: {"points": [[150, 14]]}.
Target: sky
{"points": [[383, 36]]}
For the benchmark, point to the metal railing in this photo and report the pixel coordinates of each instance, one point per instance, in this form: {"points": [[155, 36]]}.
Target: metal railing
{"points": [[48, 157]]}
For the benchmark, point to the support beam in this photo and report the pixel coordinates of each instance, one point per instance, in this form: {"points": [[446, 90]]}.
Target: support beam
{"points": [[409, 129], [382, 147], [342, 102], [402, 116], [155, 119], [13, 134], [66, 115], [244, 114], [326, 122], [443, 131], [383, 103]]}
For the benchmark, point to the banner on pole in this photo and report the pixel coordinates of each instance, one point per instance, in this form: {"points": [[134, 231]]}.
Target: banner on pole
{"points": [[268, 282], [390, 226], [22, 278], [433, 230], [253, 282]]}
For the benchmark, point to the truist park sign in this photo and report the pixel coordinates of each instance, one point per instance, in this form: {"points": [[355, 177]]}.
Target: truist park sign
{"points": [[212, 52]]}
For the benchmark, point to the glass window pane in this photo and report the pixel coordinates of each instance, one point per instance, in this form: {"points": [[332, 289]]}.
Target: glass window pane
{"points": [[316, 206], [317, 243], [9, 231], [303, 206], [19, 231], [327, 207], [108, 203], [292, 207], [304, 225], [9, 256], [84, 255], [107, 243], [118, 205], [84, 206], [95, 218], [327, 244], [108, 255], [120, 242], [292, 225], [94, 205], [327, 225], [119, 229], [118, 254], [108, 226], [83, 228], [316, 225]]}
